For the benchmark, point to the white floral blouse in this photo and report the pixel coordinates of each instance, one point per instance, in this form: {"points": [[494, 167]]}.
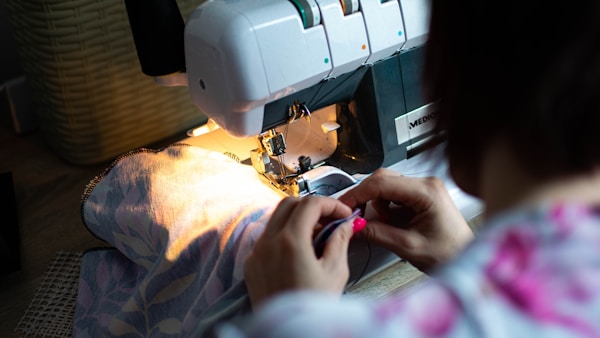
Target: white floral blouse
{"points": [[529, 273]]}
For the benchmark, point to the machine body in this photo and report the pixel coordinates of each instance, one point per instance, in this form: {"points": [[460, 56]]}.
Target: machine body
{"points": [[315, 94], [256, 67]]}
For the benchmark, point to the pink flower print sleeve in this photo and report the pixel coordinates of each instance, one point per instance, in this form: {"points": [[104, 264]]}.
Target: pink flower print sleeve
{"points": [[529, 273]]}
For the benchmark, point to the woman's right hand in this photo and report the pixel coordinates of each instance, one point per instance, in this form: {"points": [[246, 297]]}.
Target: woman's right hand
{"points": [[415, 217]]}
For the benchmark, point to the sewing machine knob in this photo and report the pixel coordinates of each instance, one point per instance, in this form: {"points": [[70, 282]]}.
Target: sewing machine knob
{"points": [[309, 12], [349, 6]]}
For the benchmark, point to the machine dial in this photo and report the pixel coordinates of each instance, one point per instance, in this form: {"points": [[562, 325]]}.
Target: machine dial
{"points": [[309, 12], [349, 6]]}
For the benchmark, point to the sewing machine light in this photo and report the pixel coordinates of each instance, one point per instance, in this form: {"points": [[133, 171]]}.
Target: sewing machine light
{"points": [[206, 128], [177, 79]]}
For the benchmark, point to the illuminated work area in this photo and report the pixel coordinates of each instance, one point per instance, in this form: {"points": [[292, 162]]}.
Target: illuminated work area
{"points": [[315, 95], [381, 168]]}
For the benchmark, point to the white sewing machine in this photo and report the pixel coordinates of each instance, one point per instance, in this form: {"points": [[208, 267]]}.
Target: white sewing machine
{"points": [[315, 94]]}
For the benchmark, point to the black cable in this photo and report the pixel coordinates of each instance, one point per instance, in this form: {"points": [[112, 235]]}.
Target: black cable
{"points": [[364, 270]]}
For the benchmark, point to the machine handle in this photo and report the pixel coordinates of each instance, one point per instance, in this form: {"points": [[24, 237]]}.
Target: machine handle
{"points": [[158, 32]]}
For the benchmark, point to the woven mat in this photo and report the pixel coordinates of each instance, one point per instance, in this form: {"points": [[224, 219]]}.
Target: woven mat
{"points": [[50, 313]]}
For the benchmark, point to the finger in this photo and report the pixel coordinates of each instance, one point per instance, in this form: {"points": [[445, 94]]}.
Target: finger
{"points": [[382, 207], [335, 255], [403, 242], [311, 210], [390, 186], [355, 196], [281, 214], [339, 240], [392, 213]]}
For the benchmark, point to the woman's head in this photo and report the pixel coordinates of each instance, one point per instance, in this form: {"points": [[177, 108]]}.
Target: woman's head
{"points": [[528, 71]]}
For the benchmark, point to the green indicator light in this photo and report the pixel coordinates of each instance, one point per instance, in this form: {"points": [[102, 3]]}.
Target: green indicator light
{"points": [[399, 33], [326, 60]]}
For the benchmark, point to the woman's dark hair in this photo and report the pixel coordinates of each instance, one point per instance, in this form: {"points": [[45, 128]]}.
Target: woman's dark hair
{"points": [[527, 69]]}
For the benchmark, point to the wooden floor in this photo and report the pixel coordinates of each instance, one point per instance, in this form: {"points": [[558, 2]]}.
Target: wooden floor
{"points": [[47, 192]]}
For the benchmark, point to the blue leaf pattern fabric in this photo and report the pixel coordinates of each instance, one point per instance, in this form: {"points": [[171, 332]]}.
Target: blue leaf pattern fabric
{"points": [[179, 223]]}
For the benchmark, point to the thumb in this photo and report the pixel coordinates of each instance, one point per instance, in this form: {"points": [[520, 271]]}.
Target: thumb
{"points": [[336, 250], [337, 245]]}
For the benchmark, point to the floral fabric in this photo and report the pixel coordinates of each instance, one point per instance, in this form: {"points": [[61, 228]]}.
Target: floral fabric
{"points": [[179, 223]]}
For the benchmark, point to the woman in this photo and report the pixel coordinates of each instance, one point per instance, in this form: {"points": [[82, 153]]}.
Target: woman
{"points": [[518, 86]]}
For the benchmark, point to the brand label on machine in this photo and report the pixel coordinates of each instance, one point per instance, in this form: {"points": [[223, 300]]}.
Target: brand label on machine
{"points": [[416, 123]]}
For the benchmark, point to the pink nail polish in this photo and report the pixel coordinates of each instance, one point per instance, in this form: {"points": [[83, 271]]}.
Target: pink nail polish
{"points": [[358, 224]]}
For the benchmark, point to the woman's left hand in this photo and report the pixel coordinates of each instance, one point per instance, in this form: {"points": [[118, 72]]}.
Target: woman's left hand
{"points": [[283, 257]]}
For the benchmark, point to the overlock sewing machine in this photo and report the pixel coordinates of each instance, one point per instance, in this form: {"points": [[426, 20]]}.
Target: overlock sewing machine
{"points": [[318, 92]]}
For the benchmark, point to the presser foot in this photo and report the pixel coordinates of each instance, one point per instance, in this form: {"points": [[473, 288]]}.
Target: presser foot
{"points": [[321, 180]]}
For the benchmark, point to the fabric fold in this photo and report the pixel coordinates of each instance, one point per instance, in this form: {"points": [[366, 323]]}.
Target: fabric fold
{"points": [[181, 221]]}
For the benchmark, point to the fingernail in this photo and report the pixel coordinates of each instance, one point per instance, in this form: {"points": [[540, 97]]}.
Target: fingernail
{"points": [[358, 224]]}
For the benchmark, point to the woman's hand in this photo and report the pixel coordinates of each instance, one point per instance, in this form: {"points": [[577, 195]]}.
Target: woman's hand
{"points": [[283, 257], [415, 217]]}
